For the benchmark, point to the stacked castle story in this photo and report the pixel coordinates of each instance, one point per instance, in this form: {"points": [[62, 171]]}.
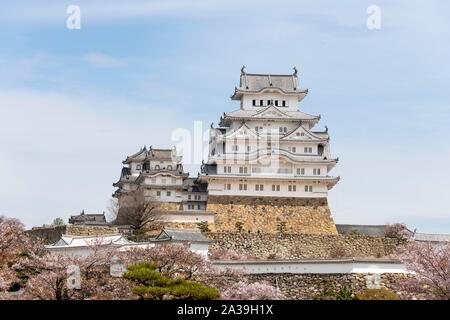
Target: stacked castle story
{"points": [[159, 175], [267, 171]]}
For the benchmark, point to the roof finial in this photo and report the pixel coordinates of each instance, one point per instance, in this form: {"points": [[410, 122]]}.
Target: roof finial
{"points": [[212, 125], [242, 70], [326, 129], [295, 71]]}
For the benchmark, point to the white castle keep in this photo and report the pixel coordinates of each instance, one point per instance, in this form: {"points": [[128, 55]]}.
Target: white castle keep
{"points": [[268, 147]]}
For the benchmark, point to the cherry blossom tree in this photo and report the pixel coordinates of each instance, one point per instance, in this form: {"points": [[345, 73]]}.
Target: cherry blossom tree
{"points": [[243, 290], [15, 246], [50, 275], [171, 260], [431, 266]]}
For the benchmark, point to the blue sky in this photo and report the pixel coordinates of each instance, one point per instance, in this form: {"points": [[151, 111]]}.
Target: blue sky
{"points": [[74, 103]]}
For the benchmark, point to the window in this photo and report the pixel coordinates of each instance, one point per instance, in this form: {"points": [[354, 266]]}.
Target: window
{"points": [[268, 102], [294, 149], [254, 102], [242, 169], [249, 148], [284, 103], [168, 193], [242, 186], [235, 147], [316, 172], [308, 149], [275, 187], [276, 103], [158, 193], [308, 188], [227, 186], [138, 167], [301, 171], [169, 167], [292, 188], [283, 129], [157, 167], [256, 129], [261, 102], [199, 207], [189, 197], [197, 197], [225, 169], [229, 169]]}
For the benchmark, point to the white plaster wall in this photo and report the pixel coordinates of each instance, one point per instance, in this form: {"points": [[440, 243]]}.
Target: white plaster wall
{"points": [[318, 266], [216, 187], [247, 101]]}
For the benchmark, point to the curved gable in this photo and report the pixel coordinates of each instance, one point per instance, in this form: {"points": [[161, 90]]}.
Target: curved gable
{"points": [[302, 134]]}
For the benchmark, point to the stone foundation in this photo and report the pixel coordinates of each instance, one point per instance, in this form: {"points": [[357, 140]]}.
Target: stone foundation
{"points": [[84, 230], [311, 286], [270, 214], [171, 206], [304, 246]]}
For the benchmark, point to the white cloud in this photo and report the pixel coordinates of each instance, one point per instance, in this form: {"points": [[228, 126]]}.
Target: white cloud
{"points": [[100, 60]]}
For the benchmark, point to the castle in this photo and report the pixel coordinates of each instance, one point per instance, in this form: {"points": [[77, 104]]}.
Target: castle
{"points": [[267, 169]]}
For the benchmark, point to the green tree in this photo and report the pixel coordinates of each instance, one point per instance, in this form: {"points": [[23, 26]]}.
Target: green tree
{"points": [[151, 285], [58, 222], [377, 294]]}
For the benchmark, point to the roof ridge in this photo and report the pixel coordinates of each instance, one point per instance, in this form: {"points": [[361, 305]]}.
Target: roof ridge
{"points": [[270, 74]]}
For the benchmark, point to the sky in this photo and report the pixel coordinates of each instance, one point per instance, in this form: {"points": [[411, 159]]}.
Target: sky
{"points": [[75, 102]]}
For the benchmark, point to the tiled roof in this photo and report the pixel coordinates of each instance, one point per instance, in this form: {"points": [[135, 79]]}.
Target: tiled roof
{"points": [[294, 115], [151, 153], [182, 235], [257, 82], [85, 241], [83, 218]]}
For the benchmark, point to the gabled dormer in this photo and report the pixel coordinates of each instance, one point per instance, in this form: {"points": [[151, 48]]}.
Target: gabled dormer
{"points": [[303, 134]]}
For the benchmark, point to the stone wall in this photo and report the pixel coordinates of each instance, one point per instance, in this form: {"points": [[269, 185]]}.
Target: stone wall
{"points": [[269, 214], [170, 206], [309, 286], [48, 234], [307, 246], [83, 230]]}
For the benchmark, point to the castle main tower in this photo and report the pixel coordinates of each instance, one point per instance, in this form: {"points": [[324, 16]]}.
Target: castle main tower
{"points": [[268, 170]]}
